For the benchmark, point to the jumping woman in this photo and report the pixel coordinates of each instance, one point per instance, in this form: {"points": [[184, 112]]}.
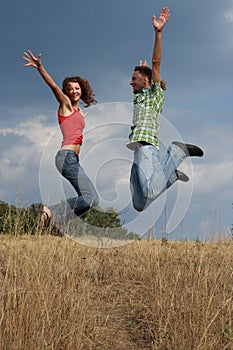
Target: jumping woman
{"points": [[71, 122]]}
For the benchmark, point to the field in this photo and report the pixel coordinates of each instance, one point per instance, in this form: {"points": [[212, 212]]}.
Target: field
{"points": [[57, 294]]}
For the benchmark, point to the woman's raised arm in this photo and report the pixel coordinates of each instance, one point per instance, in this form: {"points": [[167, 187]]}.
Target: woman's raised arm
{"points": [[35, 62]]}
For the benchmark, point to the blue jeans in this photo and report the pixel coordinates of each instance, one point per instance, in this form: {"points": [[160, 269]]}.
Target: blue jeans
{"points": [[149, 176], [67, 163]]}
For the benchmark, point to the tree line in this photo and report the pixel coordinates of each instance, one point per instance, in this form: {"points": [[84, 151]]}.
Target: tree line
{"points": [[25, 220]]}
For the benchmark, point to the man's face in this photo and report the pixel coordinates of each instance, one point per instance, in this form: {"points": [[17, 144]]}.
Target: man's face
{"points": [[138, 81]]}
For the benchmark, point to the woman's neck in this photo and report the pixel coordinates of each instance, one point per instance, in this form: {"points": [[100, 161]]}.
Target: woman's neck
{"points": [[76, 107]]}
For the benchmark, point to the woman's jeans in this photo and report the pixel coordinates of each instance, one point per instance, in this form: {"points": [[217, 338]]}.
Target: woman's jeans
{"points": [[67, 163], [149, 176]]}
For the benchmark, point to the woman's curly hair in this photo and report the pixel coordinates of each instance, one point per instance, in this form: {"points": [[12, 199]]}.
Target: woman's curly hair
{"points": [[87, 92]]}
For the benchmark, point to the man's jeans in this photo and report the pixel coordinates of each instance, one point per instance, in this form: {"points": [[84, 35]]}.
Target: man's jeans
{"points": [[67, 163], [149, 176]]}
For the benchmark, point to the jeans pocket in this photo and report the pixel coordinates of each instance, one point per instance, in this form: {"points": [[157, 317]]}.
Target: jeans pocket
{"points": [[70, 159]]}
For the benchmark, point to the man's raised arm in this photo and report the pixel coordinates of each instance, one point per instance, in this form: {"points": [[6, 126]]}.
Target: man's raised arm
{"points": [[158, 25]]}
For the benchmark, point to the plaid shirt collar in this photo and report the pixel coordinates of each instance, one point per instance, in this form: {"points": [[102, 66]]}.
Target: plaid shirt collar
{"points": [[143, 90]]}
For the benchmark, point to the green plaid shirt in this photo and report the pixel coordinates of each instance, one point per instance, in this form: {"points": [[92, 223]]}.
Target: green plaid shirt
{"points": [[148, 104]]}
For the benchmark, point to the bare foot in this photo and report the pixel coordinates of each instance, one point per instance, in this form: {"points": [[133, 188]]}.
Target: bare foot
{"points": [[45, 216]]}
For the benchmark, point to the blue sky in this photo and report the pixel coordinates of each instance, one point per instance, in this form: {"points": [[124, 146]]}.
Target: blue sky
{"points": [[102, 41]]}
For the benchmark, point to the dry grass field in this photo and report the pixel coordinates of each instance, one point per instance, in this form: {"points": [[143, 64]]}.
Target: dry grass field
{"points": [[56, 294]]}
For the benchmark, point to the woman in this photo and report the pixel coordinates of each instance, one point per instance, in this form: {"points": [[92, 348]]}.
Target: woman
{"points": [[71, 122]]}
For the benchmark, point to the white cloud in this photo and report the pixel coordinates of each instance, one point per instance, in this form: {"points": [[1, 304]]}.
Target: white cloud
{"points": [[229, 16], [21, 159], [213, 178], [36, 131], [104, 154], [213, 174]]}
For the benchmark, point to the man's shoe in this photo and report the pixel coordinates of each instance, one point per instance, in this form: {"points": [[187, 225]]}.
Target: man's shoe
{"points": [[189, 150], [181, 176]]}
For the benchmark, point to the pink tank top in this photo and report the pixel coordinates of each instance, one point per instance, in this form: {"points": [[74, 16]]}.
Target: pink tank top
{"points": [[72, 128]]}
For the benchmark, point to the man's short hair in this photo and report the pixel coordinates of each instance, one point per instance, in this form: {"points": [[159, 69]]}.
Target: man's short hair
{"points": [[145, 71]]}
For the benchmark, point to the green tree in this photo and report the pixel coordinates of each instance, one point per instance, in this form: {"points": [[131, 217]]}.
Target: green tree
{"points": [[104, 223]]}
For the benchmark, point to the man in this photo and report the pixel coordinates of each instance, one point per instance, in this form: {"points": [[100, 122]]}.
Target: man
{"points": [[149, 176]]}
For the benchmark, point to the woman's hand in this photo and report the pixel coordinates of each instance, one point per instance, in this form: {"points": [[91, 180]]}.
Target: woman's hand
{"points": [[32, 60], [145, 64]]}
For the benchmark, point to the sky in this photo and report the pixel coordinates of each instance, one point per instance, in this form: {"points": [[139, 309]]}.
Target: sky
{"points": [[103, 41]]}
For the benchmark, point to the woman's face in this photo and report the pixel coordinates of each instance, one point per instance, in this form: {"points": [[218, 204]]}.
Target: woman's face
{"points": [[74, 91]]}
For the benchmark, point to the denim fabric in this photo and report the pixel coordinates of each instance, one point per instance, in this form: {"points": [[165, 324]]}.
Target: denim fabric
{"points": [[149, 176], [67, 163]]}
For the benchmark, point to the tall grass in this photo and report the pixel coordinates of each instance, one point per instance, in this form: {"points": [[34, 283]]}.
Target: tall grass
{"points": [[56, 294]]}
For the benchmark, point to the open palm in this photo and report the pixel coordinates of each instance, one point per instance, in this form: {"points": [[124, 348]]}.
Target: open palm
{"points": [[160, 22], [31, 59]]}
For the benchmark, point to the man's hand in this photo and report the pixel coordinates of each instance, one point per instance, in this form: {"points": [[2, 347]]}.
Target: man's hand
{"points": [[159, 23]]}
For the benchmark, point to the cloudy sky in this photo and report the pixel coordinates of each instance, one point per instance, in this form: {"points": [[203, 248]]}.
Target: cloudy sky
{"points": [[102, 41]]}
